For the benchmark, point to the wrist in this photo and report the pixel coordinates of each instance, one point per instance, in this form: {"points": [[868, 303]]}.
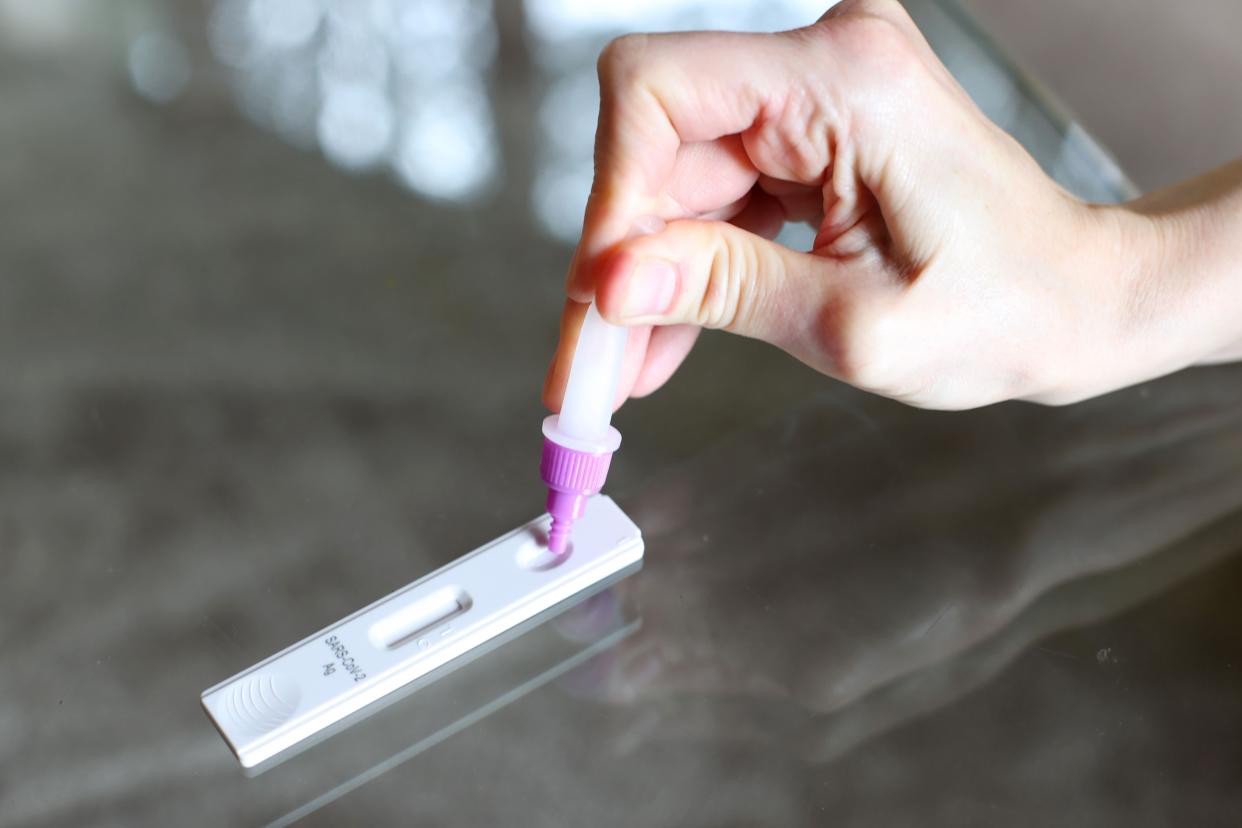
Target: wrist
{"points": [[1189, 282], [1160, 292]]}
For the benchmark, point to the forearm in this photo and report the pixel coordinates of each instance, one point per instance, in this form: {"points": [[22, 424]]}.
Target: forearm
{"points": [[1203, 218], [1175, 264]]}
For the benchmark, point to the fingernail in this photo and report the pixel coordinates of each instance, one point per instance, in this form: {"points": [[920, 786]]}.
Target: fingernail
{"points": [[649, 291], [645, 226]]}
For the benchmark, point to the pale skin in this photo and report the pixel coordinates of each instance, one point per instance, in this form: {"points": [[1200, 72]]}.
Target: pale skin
{"points": [[948, 270]]}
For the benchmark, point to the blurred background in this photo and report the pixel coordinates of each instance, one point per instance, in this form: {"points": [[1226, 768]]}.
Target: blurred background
{"points": [[1153, 81], [1150, 79], [279, 280]]}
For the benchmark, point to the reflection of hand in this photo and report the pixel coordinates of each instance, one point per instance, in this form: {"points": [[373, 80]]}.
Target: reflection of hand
{"points": [[948, 270], [919, 553]]}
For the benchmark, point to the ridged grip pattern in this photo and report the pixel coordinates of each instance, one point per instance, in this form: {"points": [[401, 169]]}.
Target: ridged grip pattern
{"points": [[263, 702], [567, 470]]}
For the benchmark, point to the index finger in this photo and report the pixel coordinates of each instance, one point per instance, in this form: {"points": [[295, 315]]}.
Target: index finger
{"points": [[658, 92]]}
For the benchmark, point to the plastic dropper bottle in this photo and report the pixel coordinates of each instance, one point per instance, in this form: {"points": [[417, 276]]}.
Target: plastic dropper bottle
{"points": [[578, 443]]}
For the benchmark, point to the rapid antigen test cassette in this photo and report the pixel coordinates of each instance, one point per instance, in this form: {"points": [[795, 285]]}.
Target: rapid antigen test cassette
{"points": [[314, 684]]}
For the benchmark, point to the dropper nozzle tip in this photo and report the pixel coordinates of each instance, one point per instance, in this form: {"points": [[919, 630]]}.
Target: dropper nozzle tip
{"points": [[558, 536]]}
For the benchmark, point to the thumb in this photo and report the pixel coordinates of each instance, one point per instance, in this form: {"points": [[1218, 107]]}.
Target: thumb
{"points": [[716, 275]]}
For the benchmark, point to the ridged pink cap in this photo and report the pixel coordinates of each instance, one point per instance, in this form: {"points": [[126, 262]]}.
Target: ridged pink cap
{"points": [[570, 470], [571, 475]]}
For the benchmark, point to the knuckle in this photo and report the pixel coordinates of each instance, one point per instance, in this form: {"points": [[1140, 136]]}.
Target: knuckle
{"points": [[802, 138], [619, 61], [886, 9], [858, 348], [875, 41], [877, 38], [722, 288], [741, 287]]}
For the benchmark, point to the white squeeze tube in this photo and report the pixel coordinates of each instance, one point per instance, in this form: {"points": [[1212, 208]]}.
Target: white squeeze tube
{"points": [[593, 377], [579, 442]]}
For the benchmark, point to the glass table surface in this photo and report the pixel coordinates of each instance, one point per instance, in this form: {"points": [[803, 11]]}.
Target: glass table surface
{"points": [[279, 285]]}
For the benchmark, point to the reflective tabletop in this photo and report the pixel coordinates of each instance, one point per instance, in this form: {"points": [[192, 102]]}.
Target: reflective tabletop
{"points": [[279, 282]]}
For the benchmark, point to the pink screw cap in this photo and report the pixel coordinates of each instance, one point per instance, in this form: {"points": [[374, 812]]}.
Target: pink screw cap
{"points": [[579, 441], [573, 470]]}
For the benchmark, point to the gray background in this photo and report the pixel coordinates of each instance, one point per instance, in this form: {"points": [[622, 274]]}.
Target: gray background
{"points": [[243, 393], [1156, 82]]}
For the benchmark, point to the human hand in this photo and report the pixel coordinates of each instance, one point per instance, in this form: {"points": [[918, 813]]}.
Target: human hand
{"points": [[948, 271]]}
